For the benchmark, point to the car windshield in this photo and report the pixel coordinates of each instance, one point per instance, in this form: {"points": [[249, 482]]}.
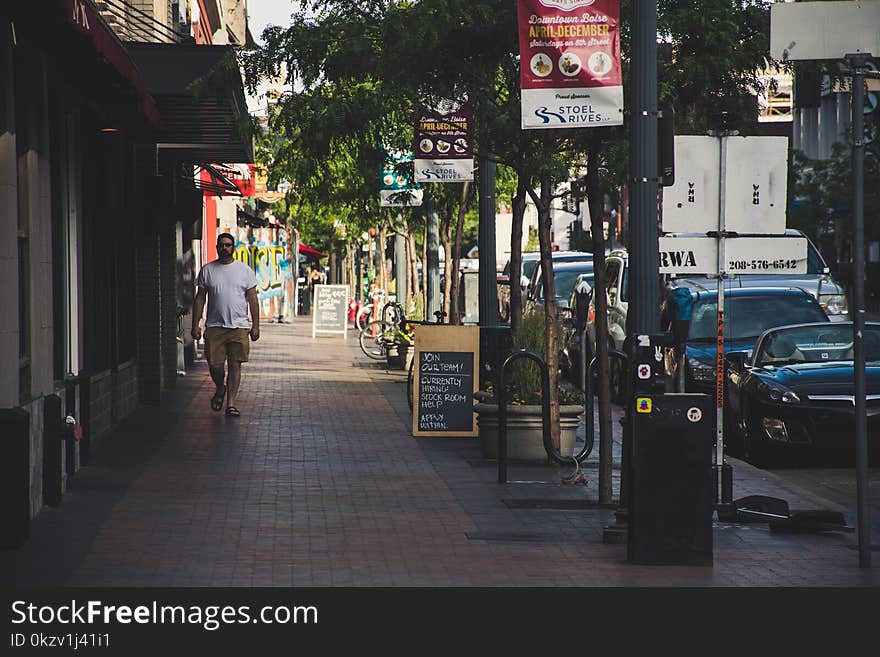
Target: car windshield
{"points": [[528, 266], [815, 344], [748, 316], [565, 280]]}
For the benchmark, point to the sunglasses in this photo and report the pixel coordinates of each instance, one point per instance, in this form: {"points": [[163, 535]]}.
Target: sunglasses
{"points": [[225, 245]]}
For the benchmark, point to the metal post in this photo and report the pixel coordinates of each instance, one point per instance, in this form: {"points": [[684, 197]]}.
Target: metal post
{"points": [[400, 268], [434, 300], [295, 273], [643, 316], [858, 63], [488, 282], [719, 341]]}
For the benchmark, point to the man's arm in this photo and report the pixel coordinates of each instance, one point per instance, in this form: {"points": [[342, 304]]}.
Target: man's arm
{"points": [[251, 296], [198, 309]]}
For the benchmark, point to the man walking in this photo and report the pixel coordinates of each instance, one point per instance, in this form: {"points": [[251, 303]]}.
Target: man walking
{"points": [[230, 288]]}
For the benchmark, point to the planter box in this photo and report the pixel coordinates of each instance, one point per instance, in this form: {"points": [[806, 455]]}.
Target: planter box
{"points": [[525, 440], [399, 356]]}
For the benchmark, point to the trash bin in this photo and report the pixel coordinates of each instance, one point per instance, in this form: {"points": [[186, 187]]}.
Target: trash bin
{"points": [[671, 496]]}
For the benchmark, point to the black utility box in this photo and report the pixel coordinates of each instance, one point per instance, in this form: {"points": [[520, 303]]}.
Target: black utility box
{"points": [[671, 499]]}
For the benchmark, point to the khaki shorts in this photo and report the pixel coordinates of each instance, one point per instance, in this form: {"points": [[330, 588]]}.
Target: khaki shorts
{"points": [[222, 343]]}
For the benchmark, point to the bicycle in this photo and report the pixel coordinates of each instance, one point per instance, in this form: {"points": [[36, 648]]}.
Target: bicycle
{"points": [[361, 319], [410, 377], [378, 335]]}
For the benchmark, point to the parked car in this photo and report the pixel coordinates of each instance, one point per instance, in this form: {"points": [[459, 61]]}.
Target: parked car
{"points": [[556, 256], [794, 391], [616, 295], [748, 312], [565, 274], [530, 260], [817, 281]]}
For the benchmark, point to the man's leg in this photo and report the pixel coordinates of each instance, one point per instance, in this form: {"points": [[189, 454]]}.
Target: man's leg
{"points": [[218, 374], [233, 381]]}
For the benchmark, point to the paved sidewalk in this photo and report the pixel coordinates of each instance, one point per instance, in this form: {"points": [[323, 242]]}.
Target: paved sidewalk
{"points": [[319, 483]]}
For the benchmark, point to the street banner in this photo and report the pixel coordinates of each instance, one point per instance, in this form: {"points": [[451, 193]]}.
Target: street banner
{"points": [[396, 187], [443, 147], [570, 63]]}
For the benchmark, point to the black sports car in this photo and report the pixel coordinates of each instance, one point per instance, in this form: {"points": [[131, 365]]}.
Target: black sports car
{"points": [[795, 390]]}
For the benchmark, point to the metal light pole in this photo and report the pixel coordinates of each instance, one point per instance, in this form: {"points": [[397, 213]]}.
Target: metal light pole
{"points": [[643, 313], [858, 63]]}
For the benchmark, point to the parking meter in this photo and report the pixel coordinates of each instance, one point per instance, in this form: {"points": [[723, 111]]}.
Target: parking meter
{"points": [[582, 293], [679, 305]]}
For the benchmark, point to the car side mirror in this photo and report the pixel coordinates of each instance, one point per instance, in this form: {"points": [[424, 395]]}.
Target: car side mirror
{"points": [[737, 360]]}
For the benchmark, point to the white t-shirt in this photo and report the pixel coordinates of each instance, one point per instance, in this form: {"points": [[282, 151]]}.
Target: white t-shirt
{"points": [[226, 286]]}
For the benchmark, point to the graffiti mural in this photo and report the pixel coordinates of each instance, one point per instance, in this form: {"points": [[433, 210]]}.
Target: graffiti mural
{"points": [[267, 252]]}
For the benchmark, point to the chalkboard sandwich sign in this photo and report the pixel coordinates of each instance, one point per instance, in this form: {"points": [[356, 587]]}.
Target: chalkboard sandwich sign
{"points": [[330, 310], [446, 363]]}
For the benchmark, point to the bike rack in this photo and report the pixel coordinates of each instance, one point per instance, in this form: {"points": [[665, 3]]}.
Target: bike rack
{"points": [[545, 414]]}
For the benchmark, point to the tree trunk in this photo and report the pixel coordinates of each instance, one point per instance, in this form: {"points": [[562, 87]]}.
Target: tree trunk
{"points": [[550, 311], [518, 207], [411, 258], [594, 199], [455, 315], [425, 268], [445, 220]]}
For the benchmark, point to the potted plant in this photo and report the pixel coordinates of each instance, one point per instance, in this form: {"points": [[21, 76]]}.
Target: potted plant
{"points": [[400, 349], [525, 440]]}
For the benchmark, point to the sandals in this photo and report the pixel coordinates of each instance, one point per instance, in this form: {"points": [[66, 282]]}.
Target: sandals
{"points": [[232, 411], [217, 399]]}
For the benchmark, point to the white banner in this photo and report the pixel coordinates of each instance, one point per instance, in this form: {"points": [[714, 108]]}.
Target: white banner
{"points": [[431, 171], [572, 108], [400, 198]]}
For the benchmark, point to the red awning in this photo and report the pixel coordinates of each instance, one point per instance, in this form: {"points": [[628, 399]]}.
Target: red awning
{"points": [[83, 15], [310, 253]]}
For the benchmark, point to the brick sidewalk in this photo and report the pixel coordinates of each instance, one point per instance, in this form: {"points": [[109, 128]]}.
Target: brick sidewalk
{"points": [[319, 483]]}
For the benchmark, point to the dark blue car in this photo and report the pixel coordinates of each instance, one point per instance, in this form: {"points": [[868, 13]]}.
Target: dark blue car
{"points": [[748, 312], [795, 391]]}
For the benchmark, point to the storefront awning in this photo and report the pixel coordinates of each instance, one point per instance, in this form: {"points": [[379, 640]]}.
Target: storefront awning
{"points": [[85, 19], [310, 253], [200, 96]]}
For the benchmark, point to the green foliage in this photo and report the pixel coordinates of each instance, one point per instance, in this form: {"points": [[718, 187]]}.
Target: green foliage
{"points": [[532, 243]]}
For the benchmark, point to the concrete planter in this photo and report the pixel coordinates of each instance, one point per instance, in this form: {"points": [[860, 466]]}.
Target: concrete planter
{"points": [[399, 356], [524, 431]]}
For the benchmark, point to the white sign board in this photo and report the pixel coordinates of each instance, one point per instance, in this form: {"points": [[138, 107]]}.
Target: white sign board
{"points": [[765, 255], [400, 198], [824, 30], [691, 204], [698, 256], [756, 179], [432, 171]]}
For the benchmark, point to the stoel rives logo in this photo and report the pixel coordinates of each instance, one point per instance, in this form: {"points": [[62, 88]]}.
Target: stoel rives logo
{"points": [[566, 5], [546, 115]]}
